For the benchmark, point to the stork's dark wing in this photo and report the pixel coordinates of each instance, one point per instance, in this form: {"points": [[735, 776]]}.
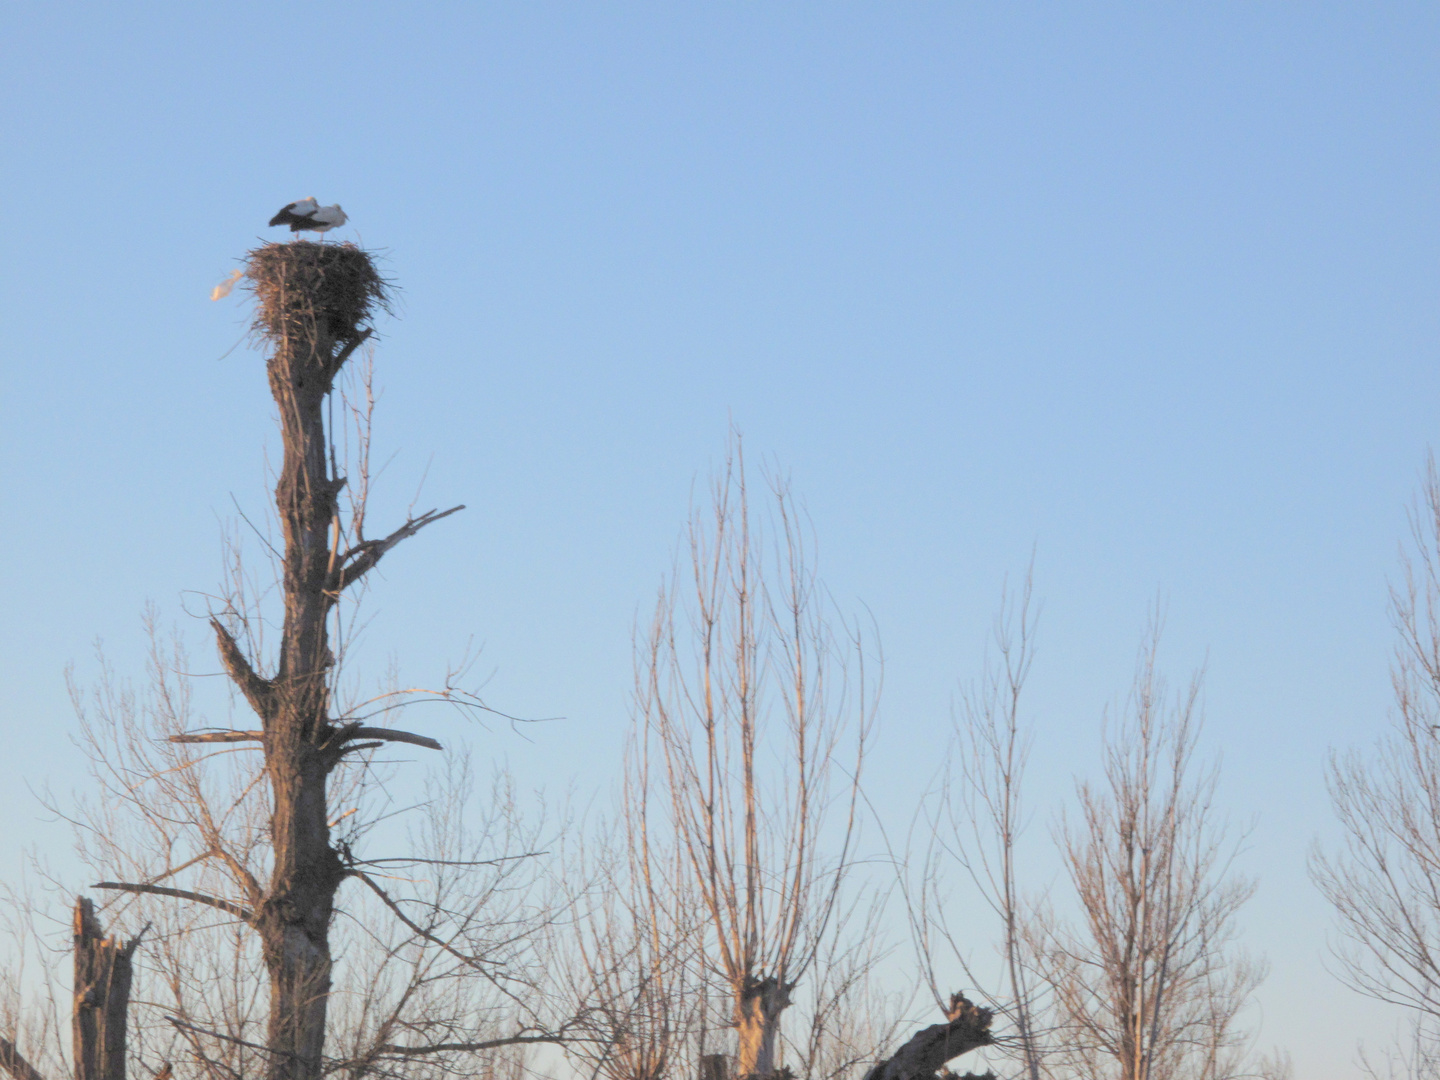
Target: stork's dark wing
{"points": [[287, 216]]}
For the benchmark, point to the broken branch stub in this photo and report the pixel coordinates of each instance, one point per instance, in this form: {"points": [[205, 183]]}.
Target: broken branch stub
{"points": [[967, 1028]]}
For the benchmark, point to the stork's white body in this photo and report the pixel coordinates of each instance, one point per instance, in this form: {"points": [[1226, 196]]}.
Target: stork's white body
{"points": [[326, 218]]}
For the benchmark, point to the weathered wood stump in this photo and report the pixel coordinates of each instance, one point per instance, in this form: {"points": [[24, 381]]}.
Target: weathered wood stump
{"points": [[966, 1028]]}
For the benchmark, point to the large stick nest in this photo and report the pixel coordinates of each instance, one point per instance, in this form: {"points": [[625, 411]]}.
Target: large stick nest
{"points": [[308, 290]]}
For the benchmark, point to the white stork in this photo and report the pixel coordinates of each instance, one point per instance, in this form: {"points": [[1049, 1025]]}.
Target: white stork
{"points": [[309, 215]]}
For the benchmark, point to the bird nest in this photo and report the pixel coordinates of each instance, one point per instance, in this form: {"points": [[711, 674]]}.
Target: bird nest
{"points": [[306, 290]]}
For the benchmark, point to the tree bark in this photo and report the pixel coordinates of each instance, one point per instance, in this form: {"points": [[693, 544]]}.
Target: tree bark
{"points": [[103, 972], [294, 918]]}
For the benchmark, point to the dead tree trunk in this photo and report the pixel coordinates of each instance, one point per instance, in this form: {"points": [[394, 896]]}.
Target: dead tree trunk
{"points": [[301, 747], [967, 1028], [103, 973], [100, 1005], [313, 298]]}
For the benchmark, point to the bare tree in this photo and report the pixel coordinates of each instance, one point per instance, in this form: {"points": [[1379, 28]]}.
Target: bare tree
{"points": [[750, 698], [1384, 882], [975, 823], [1150, 985], [234, 841]]}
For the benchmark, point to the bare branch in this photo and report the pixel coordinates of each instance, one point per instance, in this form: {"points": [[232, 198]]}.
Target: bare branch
{"points": [[488, 1044], [388, 735], [361, 559], [241, 913], [183, 1026], [260, 992], [257, 690], [747, 719], [975, 822], [353, 344], [1383, 878], [416, 860]]}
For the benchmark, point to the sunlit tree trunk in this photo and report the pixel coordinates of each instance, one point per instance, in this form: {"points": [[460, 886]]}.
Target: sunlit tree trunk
{"points": [[757, 1025]]}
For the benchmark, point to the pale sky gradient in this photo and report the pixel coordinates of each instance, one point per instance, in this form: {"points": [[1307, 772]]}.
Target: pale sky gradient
{"points": [[1149, 289]]}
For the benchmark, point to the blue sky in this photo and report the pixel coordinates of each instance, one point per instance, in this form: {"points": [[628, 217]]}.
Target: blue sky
{"points": [[1150, 291]]}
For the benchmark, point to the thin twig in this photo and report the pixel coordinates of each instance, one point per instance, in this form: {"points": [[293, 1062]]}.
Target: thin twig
{"points": [[393, 906], [185, 1026]]}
